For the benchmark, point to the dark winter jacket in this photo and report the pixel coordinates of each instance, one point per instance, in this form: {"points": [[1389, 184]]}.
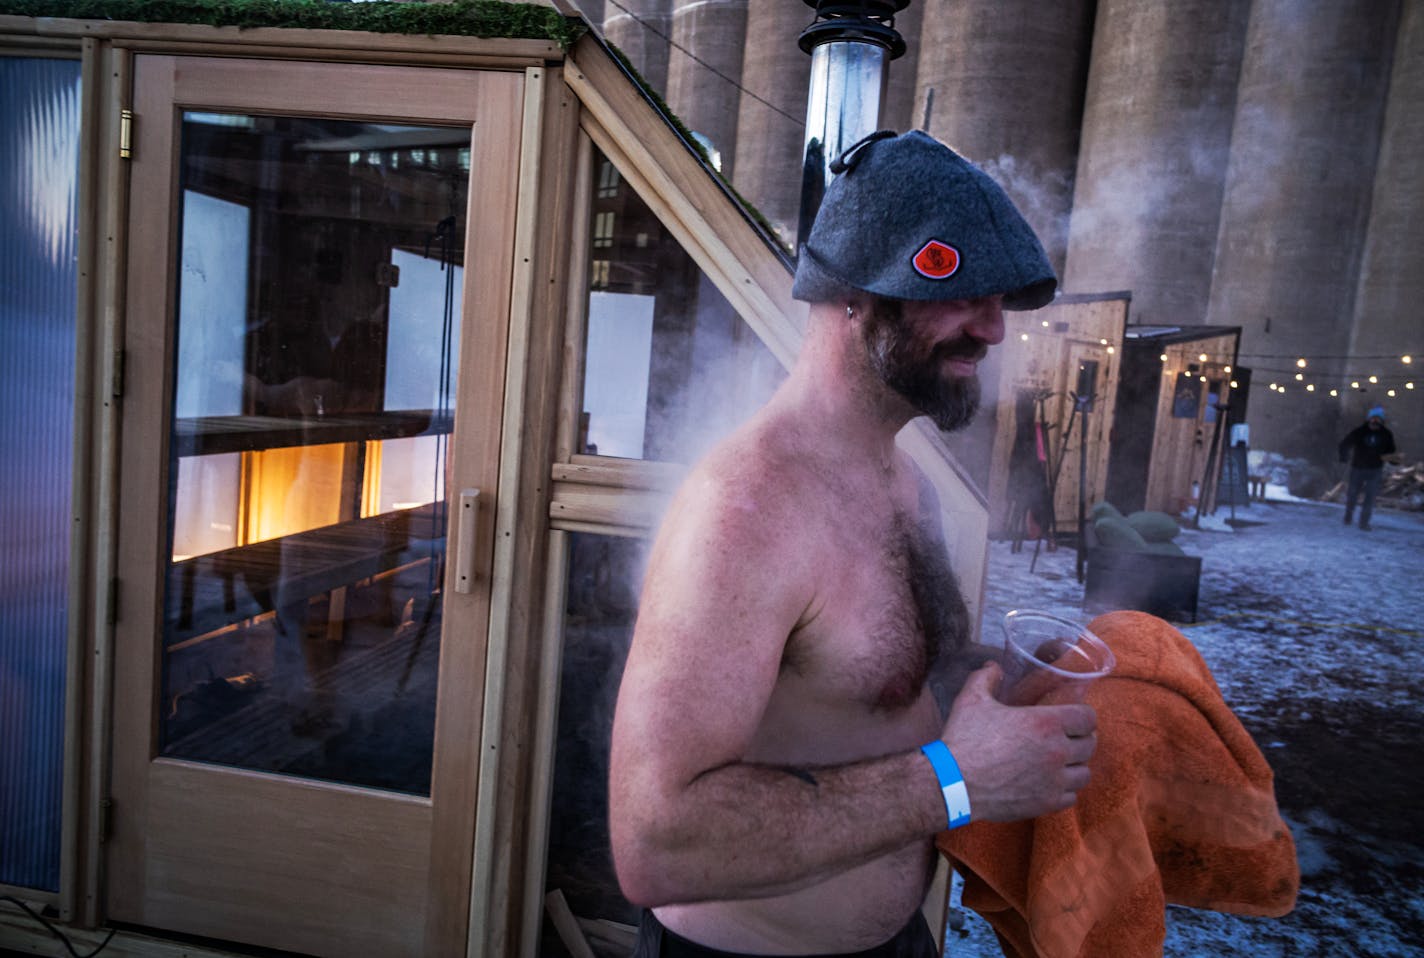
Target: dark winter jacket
{"points": [[1365, 448]]}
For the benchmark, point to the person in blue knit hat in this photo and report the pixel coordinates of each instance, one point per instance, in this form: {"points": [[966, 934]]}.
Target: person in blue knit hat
{"points": [[1366, 449], [800, 714]]}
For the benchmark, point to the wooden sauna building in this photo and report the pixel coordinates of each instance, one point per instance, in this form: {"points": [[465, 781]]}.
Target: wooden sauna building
{"points": [[1179, 393], [1082, 399], [352, 352]]}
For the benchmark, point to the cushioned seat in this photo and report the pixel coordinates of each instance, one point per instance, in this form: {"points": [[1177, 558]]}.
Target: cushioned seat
{"points": [[1154, 526], [1133, 564]]}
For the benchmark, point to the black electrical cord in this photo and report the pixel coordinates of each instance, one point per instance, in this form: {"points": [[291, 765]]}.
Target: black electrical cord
{"points": [[55, 931]]}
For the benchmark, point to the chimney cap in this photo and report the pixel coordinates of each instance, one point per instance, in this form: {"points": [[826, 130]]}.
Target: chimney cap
{"points": [[866, 21], [877, 8]]}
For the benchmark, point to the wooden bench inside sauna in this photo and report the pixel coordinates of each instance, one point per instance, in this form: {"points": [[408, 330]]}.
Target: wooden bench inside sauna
{"points": [[218, 589], [285, 631]]}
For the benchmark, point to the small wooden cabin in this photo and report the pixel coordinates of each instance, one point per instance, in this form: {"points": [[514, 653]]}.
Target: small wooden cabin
{"points": [[1180, 392], [367, 341], [1153, 435]]}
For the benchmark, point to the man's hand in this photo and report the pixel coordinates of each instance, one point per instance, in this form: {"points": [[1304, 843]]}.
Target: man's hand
{"points": [[1018, 762]]}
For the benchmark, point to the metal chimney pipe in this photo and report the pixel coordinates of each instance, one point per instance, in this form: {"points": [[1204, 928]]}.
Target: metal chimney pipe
{"points": [[851, 44]]}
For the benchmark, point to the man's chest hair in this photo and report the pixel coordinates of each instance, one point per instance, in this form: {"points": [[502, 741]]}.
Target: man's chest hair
{"points": [[895, 616]]}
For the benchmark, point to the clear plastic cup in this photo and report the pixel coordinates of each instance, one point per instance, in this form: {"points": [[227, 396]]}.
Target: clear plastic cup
{"points": [[1048, 655]]}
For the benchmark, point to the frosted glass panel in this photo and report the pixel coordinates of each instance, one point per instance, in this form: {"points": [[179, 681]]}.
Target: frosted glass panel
{"points": [[39, 162]]}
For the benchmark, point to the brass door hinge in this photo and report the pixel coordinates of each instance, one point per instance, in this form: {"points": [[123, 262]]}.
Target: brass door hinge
{"points": [[126, 118]]}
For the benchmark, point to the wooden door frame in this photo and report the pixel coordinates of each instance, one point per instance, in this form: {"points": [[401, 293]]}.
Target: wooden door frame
{"points": [[400, 94]]}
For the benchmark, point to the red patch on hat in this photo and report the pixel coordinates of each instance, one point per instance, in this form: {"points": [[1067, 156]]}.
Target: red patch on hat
{"points": [[936, 260]]}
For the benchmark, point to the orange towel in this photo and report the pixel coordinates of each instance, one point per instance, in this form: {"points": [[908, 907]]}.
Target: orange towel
{"points": [[1181, 808]]}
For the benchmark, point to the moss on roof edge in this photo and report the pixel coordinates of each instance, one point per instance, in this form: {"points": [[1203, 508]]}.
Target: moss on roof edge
{"points": [[470, 18]]}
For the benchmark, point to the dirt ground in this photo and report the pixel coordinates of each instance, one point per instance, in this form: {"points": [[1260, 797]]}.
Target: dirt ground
{"points": [[1315, 633]]}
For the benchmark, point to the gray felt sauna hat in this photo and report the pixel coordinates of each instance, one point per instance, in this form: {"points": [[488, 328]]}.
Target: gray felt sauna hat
{"points": [[908, 218]]}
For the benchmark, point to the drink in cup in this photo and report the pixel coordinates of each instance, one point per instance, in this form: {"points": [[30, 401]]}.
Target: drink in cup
{"points": [[1048, 655]]}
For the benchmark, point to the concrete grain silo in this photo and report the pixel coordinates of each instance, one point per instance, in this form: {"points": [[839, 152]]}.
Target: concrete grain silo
{"points": [[771, 116], [1304, 146], [903, 91], [704, 69], [1225, 161], [1156, 133], [641, 29], [1007, 79], [1389, 322], [593, 11]]}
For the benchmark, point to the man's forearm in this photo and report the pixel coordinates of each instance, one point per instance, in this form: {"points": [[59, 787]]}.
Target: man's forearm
{"points": [[753, 831]]}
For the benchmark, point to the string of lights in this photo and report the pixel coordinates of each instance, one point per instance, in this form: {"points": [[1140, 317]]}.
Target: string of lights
{"points": [[1335, 391], [1337, 373], [1405, 358], [1329, 385], [1392, 386], [1305, 368], [1372, 377], [1302, 362]]}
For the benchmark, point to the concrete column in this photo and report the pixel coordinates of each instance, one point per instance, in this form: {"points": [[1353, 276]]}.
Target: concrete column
{"points": [[1310, 108], [641, 29], [1152, 165], [592, 11], [705, 68], [771, 115], [1008, 79], [1388, 320], [900, 97]]}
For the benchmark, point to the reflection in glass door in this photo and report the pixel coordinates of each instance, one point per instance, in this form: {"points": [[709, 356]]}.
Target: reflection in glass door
{"points": [[319, 290]]}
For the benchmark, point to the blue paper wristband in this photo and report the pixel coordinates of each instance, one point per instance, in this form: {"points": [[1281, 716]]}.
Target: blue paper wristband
{"points": [[951, 782]]}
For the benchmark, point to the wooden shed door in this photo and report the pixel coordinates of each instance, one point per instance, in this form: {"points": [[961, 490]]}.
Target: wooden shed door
{"points": [[319, 260]]}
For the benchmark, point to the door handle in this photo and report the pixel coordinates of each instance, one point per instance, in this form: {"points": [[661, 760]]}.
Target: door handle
{"points": [[469, 525]]}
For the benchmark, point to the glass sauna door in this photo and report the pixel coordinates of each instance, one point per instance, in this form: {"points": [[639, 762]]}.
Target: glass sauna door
{"points": [[312, 250]]}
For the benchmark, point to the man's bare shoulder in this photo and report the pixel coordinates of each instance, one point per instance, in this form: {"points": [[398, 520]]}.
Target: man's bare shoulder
{"points": [[763, 472], [748, 509], [729, 577]]}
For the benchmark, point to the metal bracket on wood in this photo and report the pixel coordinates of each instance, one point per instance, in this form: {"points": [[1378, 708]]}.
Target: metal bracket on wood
{"points": [[126, 118], [465, 558]]}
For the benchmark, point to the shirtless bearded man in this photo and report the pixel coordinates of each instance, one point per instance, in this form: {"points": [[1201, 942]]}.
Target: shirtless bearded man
{"points": [[768, 791]]}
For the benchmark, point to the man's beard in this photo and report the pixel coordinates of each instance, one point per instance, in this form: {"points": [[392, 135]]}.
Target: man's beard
{"points": [[912, 368]]}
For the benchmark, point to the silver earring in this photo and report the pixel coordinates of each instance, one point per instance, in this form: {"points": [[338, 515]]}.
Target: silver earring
{"points": [[850, 312]]}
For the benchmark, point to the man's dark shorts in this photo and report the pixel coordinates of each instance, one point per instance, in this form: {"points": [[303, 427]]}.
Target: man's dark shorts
{"points": [[655, 941]]}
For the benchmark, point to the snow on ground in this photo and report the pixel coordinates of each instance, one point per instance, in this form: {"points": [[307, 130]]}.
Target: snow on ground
{"points": [[1315, 632]]}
